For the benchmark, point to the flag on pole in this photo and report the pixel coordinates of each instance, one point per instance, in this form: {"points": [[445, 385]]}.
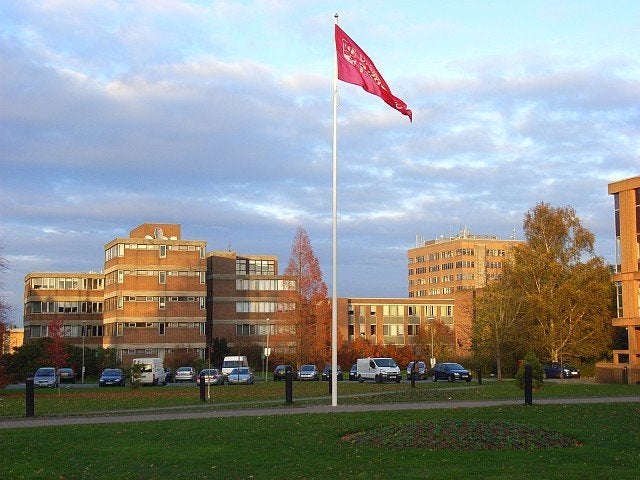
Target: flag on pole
{"points": [[354, 66]]}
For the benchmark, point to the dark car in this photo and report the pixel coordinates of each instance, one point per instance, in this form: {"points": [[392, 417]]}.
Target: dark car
{"points": [[326, 373], [66, 375], [421, 371], [560, 370], [353, 372], [112, 377], [450, 372], [280, 372]]}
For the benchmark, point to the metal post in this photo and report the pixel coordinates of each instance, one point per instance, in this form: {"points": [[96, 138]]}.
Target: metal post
{"points": [[83, 335], [414, 369], [480, 376], [288, 386], [528, 384], [203, 388], [266, 353], [30, 397]]}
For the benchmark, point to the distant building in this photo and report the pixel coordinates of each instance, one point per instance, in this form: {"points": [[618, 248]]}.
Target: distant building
{"points": [[13, 339], [626, 200], [442, 267]]}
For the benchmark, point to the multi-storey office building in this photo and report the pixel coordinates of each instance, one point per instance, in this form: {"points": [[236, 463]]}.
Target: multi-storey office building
{"points": [[155, 293], [398, 321], [442, 267], [249, 302], [77, 299], [626, 199]]}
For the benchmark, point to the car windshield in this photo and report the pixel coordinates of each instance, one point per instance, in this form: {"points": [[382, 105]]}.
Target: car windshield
{"points": [[307, 368], [45, 372], [184, 369], [239, 371], [111, 372], [385, 362], [455, 366]]}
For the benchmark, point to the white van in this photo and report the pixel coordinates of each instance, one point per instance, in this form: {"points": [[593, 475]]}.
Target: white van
{"points": [[229, 363], [378, 370], [152, 371]]}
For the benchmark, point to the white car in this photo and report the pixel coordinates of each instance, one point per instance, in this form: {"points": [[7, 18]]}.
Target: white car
{"points": [[240, 375], [185, 374]]}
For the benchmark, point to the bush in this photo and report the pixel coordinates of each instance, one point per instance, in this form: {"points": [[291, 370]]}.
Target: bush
{"points": [[537, 371]]}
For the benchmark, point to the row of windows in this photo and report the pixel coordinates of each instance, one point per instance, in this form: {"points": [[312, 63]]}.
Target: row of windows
{"points": [[118, 249], [265, 285], [245, 266], [117, 329], [118, 276], [68, 331], [399, 310], [491, 252], [264, 307], [117, 303], [73, 283], [449, 266], [65, 307], [245, 329]]}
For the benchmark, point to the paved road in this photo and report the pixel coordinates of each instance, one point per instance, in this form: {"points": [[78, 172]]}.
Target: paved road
{"points": [[287, 410]]}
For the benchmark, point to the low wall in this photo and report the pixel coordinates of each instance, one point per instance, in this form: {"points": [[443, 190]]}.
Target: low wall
{"points": [[617, 373]]}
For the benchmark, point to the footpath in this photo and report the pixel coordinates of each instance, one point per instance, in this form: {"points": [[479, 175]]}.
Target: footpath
{"points": [[174, 414]]}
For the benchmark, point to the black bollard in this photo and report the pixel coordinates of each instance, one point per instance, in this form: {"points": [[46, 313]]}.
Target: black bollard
{"points": [[414, 369], [480, 376], [203, 389], [288, 386], [30, 397], [625, 376], [528, 384]]}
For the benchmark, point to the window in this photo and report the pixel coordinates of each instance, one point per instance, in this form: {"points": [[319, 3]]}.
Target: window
{"points": [[163, 251], [162, 303], [162, 277]]}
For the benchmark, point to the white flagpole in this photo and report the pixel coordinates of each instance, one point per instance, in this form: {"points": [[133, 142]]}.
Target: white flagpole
{"points": [[334, 279]]}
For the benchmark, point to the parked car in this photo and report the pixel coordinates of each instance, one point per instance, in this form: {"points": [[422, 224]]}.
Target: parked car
{"points": [[450, 372], [421, 370], [66, 375], [326, 373], [112, 377], [210, 376], [560, 370], [45, 377], [240, 375], [353, 372], [185, 374], [308, 372], [280, 372]]}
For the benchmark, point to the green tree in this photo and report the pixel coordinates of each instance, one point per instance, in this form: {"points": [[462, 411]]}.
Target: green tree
{"points": [[537, 371]]}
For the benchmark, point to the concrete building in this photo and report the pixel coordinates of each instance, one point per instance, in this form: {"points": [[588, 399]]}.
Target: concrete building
{"points": [[155, 293], [626, 201]]}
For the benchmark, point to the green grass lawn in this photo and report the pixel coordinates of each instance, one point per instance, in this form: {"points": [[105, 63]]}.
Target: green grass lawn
{"points": [[604, 438]]}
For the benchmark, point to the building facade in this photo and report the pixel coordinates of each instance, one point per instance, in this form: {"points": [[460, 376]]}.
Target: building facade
{"points": [[402, 322], [155, 293], [74, 299], [443, 267], [626, 199], [249, 302]]}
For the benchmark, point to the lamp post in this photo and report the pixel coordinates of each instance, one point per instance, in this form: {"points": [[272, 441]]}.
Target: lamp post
{"points": [[432, 359], [266, 353], [83, 335]]}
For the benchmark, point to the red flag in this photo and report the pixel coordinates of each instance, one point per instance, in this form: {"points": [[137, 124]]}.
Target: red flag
{"points": [[354, 66]]}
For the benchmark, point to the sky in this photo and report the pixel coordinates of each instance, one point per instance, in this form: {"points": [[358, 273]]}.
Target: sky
{"points": [[218, 116]]}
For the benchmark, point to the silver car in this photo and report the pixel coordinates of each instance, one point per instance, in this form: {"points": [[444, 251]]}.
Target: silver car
{"points": [[240, 375], [185, 374], [45, 377]]}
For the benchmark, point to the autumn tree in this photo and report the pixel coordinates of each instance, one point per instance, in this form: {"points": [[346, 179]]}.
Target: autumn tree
{"points": [[56, 347], [312, 310], [556, 293], [495, 328]]}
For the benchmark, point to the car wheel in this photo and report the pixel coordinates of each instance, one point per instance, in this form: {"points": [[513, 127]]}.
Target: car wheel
{"points": [[468, 380], [451, 379], [360, 378], [434, 378]]}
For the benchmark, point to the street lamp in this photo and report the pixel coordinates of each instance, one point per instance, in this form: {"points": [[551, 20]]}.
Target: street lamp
{"points": [[83, 335], [431, 320], [267, 352]]}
